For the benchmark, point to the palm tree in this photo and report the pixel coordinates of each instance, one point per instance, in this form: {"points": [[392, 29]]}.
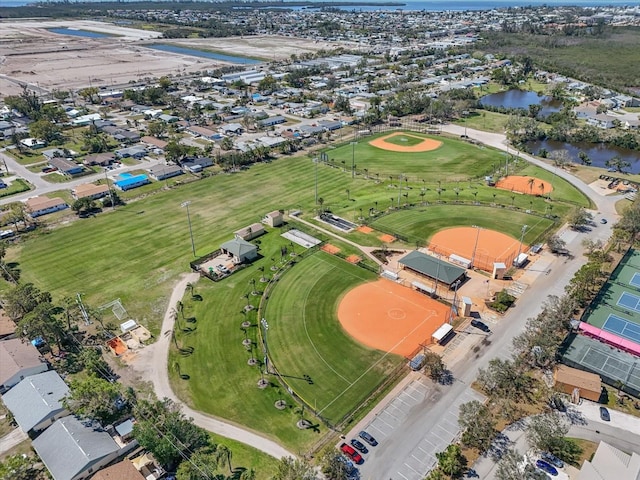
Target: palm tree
{"points": [[180, 308], [541, 187], [190, 288], [422, 194], [513, 198], [475, 197], [348, 197], [223, 453], [366, 173], [530, 182]]}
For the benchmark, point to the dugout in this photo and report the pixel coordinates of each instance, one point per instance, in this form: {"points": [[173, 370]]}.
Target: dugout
{"points": [[433, 268], [443, 334]]}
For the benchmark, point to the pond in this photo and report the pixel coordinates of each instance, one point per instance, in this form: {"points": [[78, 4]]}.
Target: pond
{"points": [[78, 33], [203, 53], [599, 153], [522, 99]]}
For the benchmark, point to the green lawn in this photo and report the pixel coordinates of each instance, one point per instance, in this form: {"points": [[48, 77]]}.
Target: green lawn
{"points": [[17, 186], [421, 224], [247, 457], [305, 337], [455, 159], [562, 190], [486, 121], [404, 140]]}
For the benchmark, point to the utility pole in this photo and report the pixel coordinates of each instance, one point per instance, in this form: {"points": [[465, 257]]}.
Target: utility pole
{"points": [[113, 204], [524, 229], [353, 159], [473, 256], [316, 193]]}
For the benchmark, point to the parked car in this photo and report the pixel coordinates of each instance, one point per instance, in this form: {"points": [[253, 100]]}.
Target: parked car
{"points": [[368, 438], [481, 325], [351, 453], [552, 459], [603, 221], [546, 467], [558, 404], [358, 445], [604, 414]]}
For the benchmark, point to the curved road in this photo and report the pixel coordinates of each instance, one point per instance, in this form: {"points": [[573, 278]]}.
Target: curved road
{"points": [[152, 361]]}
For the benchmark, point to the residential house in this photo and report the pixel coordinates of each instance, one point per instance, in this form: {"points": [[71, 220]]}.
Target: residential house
{"points": [[631, 124], [148, 466], [18, 360], [330, 125], [271, 142], [38, 206], [240, 250], [271, 121], [609, 462], [168, 118], [131, 182], [250, 232], [36, 402], [162, 172], [64, 166], [195, 165], [7, 325], [33, 143], [137, 151], [121, 135], [86, 119], [124, 470], [102, 159], [90, 190], [601, 120], [74, 450], [273, 219], [154, 142], [234, 128], [204, 132]]}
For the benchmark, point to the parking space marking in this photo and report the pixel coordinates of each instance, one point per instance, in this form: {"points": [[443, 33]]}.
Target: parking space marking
{"points": [[403, 476]]}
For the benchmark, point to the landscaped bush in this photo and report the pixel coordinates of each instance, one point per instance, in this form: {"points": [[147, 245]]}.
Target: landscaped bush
{"points": [[502, 302]]}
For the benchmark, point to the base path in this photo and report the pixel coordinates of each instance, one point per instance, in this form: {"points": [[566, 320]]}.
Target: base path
{"points": [[481, 245], [528, 185], [152, 363], [426, 145], [389, 317]]}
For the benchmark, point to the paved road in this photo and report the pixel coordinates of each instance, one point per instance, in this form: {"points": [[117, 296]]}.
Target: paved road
{"points": [[42, 187], [394, 458], [12, 439], [152, 361]]}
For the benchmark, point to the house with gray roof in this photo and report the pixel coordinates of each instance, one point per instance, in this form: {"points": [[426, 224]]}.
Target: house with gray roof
{"points": [[611, 462], [18, 360], [433, 267], [162, 172], [36, 402], [240, 250], [74, 450]]}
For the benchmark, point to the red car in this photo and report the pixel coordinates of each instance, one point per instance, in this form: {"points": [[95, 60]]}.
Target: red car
{"points": [[351, 453]]}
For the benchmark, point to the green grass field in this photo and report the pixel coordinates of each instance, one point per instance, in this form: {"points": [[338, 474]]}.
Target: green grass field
{"points": [[562, 190], [404, 140], [305, 337], [420, 224], [455, 159]]}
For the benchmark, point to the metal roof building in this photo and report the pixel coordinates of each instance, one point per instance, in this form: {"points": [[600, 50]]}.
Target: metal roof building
{"points": [[432, 267]]}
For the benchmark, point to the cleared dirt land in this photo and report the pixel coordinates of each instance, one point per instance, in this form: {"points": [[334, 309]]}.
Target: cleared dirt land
{"points": [[32, 54]]}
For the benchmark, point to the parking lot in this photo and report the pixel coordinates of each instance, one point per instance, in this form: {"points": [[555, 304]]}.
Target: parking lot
{"points": [[419, 453]]}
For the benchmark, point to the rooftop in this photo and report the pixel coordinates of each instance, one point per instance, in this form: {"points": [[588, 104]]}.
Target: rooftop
{"points": [[15, 355], [432, 267]]}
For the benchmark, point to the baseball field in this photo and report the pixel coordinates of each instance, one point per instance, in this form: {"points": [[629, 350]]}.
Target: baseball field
{"points": [[137, 252]]}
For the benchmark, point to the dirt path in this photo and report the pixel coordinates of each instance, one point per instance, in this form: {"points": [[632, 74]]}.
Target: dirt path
{"points": [[12, 439], [151, 364]]}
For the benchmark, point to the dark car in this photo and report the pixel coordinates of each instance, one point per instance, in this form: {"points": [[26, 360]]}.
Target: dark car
{"points": [[604, 414], [478, 324], [550, 469], [351, 453], [558, 404], [358, 445], [368, 438], [552, 459], [603, 221]]}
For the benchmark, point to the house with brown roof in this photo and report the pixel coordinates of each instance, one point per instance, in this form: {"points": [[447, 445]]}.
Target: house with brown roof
{"points": [[90, 190], [7, 326], [123, 470], [64, 166], [273, 219], [154, 142], [568, 379], [18, 360], [38, 206], [203, 132]]}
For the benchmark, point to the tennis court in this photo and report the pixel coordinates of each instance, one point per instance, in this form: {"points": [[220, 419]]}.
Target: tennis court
{"points": [[635, 280], [622, 327], [629, 300]]}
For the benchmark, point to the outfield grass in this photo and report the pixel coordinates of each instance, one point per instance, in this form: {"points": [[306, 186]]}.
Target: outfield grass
{"points": [[485, 121], [454, 159], [420, 224], [562, 190], [305, 337]]}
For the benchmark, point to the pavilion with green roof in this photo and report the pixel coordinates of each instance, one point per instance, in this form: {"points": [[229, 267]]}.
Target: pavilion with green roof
{"points": [[433, 268]]}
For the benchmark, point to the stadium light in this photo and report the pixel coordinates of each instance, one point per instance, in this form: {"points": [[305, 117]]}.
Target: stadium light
{"points": [[353, 159], [193, 245], [473, 256], [524, 229]]}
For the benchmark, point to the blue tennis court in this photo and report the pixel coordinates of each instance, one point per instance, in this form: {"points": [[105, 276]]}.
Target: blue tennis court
{"points": [[622, 327], [635, 280], [628, 300]]}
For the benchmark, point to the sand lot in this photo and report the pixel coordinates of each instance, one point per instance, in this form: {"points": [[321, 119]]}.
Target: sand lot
{"points": [[31, 54]]}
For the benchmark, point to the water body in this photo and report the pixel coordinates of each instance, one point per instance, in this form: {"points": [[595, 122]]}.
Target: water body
{"points": [[599, 153], [78, 33], [432, 6], [204, 54], [522, 99]]}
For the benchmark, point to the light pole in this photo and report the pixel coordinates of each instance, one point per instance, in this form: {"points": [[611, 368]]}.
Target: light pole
{"points": [[524, 229], [473, 256], [113, 204], [353, 159], [186, 205], [265, 327], [316, 196]]}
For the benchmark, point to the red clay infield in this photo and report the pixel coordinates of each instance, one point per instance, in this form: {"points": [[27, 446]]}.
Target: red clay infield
{"points": [[353, 259], [364, 229], [389, 317], [517, 183], [332, 249], [492, 246], [386, 238]]}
